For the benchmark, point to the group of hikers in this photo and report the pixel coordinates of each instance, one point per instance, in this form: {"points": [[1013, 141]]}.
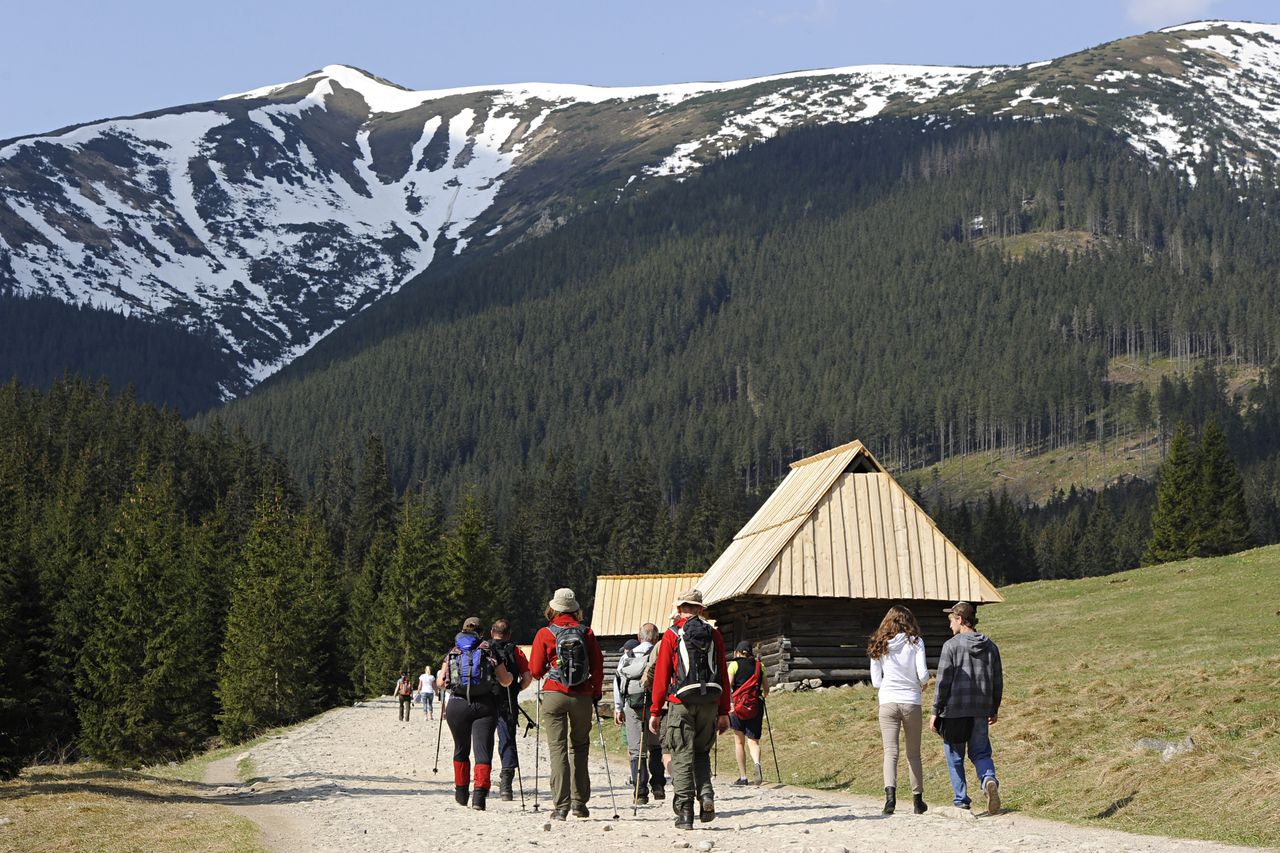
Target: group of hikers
{"points": [[675, 692]]}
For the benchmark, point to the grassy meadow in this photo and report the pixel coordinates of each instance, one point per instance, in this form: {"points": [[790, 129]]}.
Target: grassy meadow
{"points": [[1092, 666]]}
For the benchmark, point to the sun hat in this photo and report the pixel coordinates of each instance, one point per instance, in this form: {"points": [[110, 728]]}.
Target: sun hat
{"points": [[689, 596], [564, 601]]}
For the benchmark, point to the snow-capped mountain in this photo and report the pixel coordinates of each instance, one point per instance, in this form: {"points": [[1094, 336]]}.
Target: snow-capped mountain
{"points": [[269, 217]]}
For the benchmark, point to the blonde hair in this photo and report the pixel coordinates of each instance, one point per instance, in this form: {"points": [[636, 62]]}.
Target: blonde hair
{"points": [[552, 613]]}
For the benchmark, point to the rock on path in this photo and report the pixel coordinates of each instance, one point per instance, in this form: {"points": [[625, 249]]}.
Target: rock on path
{"points": [[357, 779]]}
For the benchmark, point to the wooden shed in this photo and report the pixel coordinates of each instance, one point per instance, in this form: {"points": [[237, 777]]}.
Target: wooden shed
{"points": [[625, 602], [811, 575]]}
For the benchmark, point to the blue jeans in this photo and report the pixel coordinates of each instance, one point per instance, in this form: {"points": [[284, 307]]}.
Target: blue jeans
{"points": [[979, 748], [427, 697]]}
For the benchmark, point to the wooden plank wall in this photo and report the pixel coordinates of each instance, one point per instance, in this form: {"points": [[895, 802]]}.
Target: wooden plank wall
{"points": [[800, 637]]}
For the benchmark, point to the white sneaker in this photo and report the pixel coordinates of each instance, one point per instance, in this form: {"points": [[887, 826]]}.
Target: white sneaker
{"points": [[992, 789]]}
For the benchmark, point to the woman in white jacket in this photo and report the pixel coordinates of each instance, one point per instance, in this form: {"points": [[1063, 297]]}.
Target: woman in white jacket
{"points": [[899, 671]]}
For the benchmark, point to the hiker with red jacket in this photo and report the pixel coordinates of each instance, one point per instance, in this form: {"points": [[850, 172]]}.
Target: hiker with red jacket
{"points": [[750, 684], [567, 653], [690, 677], [472, 673]]}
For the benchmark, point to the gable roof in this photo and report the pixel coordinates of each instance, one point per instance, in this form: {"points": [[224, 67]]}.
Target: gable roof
{"points": [[839, 526], [624, 602]]}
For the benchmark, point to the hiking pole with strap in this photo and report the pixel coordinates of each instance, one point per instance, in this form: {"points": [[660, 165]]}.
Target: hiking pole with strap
{"points": [[439, 730], [604, 750], [514, 720], [537, 746], [771, 743]]}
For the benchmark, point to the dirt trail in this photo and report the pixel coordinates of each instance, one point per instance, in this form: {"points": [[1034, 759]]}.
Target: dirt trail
{"points": [[357, 779]]}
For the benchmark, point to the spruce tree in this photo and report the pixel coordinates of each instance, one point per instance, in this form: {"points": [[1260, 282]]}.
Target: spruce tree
{"points": [[140, 674], [267, 675], [1097, 553], [1223, 518], [373, 507], [473, 562], [1176, 517]]}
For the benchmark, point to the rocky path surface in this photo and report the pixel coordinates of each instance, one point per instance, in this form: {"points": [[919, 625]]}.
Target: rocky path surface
{"points": [[357, 779]]}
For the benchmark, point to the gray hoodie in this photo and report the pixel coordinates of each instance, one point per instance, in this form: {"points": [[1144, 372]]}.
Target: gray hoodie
{"points": [[970, 677]]}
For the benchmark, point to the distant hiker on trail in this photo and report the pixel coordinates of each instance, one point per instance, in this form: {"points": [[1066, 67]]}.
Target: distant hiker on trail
{"points": [[510, 656], [966, 700], [404, 692], [427, 692], [690, 674], [749, 685], [899, 671], [630, 708], [567, 653], [472, 673]]}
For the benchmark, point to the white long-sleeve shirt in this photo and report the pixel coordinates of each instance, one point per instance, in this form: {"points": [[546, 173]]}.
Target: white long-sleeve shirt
{"points": [[901, 673]]}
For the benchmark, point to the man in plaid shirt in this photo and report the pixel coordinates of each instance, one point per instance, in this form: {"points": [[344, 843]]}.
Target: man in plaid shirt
{"points": [[966, 701]]}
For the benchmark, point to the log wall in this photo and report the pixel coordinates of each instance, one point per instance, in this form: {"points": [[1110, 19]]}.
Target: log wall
{"points": [[800, 637]]}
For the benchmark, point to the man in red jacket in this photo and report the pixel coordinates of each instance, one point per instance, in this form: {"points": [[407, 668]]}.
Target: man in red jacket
{"points": [[693, 681]]}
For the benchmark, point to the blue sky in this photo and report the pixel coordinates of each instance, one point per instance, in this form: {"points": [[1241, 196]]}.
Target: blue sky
{"points": [[72, 61]]}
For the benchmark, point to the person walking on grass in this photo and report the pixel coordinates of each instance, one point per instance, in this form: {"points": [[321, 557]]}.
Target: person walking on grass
{"points": [[427, 692], [472, 673], [404, 693], [630, 709], [966, 701], [566, 652], [509, 654], [899, 672], [689, 675], [749, 685]]}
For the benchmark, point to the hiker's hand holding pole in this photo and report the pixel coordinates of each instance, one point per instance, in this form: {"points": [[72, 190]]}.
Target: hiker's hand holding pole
{"points": [[617, 717], [722, 724]]}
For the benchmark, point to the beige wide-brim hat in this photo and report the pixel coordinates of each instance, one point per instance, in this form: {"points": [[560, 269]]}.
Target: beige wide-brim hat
{"points": [[564, 601], [689, 596]]}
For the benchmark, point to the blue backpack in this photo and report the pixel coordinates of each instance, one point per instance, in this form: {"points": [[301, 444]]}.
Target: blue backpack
{"points": [[471, 669]]}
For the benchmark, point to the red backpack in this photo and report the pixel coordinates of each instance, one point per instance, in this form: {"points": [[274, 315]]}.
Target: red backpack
{"points": [[746, 696]]}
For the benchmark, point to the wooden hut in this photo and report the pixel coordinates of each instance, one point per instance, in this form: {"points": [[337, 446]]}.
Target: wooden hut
{"points": [[810, 576], [625, 602]]}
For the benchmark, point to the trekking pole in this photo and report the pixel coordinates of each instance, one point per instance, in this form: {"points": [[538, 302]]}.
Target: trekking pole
{"points": [[642, 751], [439, 730], [604, 750], [514, 720], [772, 746], [537, 746]]}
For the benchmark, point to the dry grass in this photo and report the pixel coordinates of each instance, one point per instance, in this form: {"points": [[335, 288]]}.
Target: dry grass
{"points": [[1092, 666], [87, 807]]}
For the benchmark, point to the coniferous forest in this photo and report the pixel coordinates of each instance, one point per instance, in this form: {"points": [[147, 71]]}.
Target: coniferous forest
{"points": [[619, 396]]}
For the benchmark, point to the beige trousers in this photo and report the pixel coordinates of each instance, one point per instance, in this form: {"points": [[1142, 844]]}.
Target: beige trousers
{"points": [[895, 716]]}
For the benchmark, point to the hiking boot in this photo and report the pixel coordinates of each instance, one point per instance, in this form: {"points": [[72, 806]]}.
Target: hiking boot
{"points": [[992, 789], [684, 816], [706, 809], [918, 804], [740, 781], [504, 784], [478, 796], [580, 810], [890, 800], [642, 797], [659, 792], [559, 814], [759, 776], [460, 794]]}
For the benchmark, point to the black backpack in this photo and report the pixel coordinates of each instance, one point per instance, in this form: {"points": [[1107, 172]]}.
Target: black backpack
{"points": [[471, 668], [504, 651], [697, 677], [572, 665]]}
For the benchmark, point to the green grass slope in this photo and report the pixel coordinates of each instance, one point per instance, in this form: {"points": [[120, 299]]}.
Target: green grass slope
{"points": [[1092, 666]]}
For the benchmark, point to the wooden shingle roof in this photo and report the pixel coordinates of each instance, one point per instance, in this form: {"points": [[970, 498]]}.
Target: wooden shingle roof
{"points": [[624, 602], [839, 526]]}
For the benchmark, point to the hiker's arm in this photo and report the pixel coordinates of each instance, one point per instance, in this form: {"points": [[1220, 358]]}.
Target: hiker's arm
{"points": [[922, 664], [942, 689], [661, 678], [997, 684], [538, 655], [877, 672], [764, 680], [522, 664], [725, 693], [597, 666], [503, 675]]}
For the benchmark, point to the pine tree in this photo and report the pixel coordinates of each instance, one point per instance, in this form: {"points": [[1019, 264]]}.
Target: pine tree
{"points": [[472, 561], [361, 616], [373, 507], [1097, 554], [142, 662], [1175, 519], [413, 596], [268, 672], [1223, 517]]}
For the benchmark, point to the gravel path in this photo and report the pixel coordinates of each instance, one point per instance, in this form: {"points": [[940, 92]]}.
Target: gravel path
{"points": [[357, 779]]}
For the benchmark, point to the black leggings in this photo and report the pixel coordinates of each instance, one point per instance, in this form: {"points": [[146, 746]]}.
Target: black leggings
{"points": [[472, 725]]}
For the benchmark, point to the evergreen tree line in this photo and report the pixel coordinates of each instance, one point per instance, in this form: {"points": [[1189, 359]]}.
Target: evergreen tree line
{"points": [[827, 285]]}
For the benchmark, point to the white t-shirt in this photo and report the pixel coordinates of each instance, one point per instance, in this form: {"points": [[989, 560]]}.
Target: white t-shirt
{"points": [[901, 672], [427, 683]]}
